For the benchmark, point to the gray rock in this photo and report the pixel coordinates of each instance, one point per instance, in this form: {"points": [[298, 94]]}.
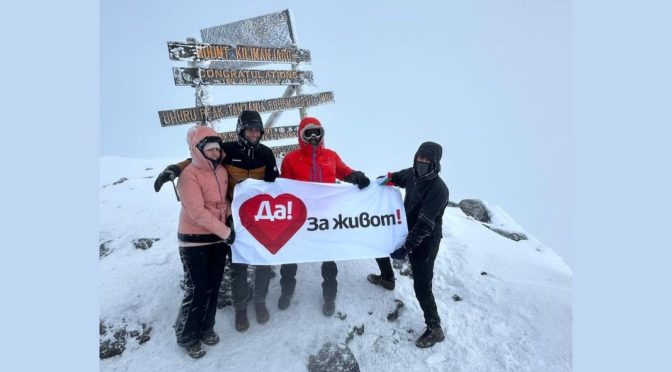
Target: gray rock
{"points": [[121, 180], [508, 234], [394, 315], [354, 331], [116, 344], [144, 243], [104, 249], [403, 266], [113, 346], [333, 358], [476, 209]]}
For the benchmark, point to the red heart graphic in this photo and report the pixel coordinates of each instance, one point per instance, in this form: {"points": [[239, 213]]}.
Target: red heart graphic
{"points": [[273, 221]]}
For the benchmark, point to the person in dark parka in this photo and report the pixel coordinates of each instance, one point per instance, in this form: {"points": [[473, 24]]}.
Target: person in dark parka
{"points": [[425, 200]]}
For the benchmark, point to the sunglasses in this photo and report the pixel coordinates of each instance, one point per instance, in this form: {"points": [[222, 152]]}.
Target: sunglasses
{"points": [[312, 132]]}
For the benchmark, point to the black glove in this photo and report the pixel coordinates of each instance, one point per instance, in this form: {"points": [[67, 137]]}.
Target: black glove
{"points": [[170, 173], [271, 177], [231, 238], [358, 178], [400, 253]]}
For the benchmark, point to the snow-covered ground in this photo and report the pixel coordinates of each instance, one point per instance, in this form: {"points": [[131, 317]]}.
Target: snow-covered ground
{"points": [[515, 312]]}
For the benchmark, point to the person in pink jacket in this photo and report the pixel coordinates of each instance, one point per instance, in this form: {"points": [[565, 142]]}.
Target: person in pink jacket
{"points": [[204, 239]]}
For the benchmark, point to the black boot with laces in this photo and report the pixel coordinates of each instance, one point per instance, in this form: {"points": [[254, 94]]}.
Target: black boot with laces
{"points": [[196, 350], [209, 337], [431, 336], [383, 282]]}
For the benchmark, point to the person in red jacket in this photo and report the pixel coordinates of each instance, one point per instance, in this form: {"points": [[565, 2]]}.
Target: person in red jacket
{"points": [[313, 162]]}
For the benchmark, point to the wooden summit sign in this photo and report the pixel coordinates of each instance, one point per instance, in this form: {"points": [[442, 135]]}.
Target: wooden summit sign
{"points": [[281, 151], [194, 52], [273, 30], [273, 133], [193, 76], [195, 114]]}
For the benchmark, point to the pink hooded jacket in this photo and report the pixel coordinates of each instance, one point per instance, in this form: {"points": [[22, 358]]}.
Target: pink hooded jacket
{"points": [[202, 188]]}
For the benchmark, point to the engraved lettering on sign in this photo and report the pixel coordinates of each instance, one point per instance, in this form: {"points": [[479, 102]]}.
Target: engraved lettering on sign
{"points": [[169, 118]]}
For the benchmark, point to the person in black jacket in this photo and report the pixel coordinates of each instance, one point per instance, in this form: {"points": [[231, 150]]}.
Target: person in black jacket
{"points": [[425, 200], [245, 158]]}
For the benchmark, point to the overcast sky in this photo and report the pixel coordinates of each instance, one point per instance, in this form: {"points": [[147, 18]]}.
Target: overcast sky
{"points": [[488, 80]]}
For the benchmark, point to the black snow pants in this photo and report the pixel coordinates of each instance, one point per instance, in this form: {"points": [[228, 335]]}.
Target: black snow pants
{"points": [[385, 266], [422, 265], [203, 270]]}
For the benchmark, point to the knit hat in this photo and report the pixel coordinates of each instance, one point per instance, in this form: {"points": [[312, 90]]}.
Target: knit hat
{"points": [[211, 145], [249, 119], [248, 116]]}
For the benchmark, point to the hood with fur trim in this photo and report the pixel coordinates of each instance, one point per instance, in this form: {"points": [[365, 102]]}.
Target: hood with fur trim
{"points": [[194, 136], [307, 123]]}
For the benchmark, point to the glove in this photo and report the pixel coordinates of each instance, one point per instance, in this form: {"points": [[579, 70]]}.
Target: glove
{"points": [[385, 180], [231, 238], [358, 178], [400, 253], [271, 177], [170, 173]]}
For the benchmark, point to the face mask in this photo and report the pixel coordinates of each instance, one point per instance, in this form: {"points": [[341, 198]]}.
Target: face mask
{"points": [[422, 169]]}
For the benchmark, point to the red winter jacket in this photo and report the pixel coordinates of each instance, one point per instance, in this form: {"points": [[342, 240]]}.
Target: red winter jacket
{"points": [[202, 187], [313, 163]]}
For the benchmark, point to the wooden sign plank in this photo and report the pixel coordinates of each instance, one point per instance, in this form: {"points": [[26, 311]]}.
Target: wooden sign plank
{"points": [[281, 151], [192, 76], [196, 114], [194, 52], [270, 134]]}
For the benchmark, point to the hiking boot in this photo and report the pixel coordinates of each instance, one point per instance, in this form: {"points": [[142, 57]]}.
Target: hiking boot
{"points": [[379, 280], [431, 336], [262, 313], [242, 324], [284, 300], [329, 307], [196, 350], [209, 337]]}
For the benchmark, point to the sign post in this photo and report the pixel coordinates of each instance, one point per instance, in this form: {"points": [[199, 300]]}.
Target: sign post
{"points": [[225, 57]]}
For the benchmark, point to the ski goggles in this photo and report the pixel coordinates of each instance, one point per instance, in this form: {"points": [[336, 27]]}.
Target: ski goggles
{"points": [[312, 132]]}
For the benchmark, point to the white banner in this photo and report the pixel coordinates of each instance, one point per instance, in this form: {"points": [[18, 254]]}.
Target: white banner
{"points": [[289, 221]]}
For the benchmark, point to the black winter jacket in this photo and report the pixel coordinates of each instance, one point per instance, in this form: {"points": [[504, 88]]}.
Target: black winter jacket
{"points": [[244, 162], [424, 202]]}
